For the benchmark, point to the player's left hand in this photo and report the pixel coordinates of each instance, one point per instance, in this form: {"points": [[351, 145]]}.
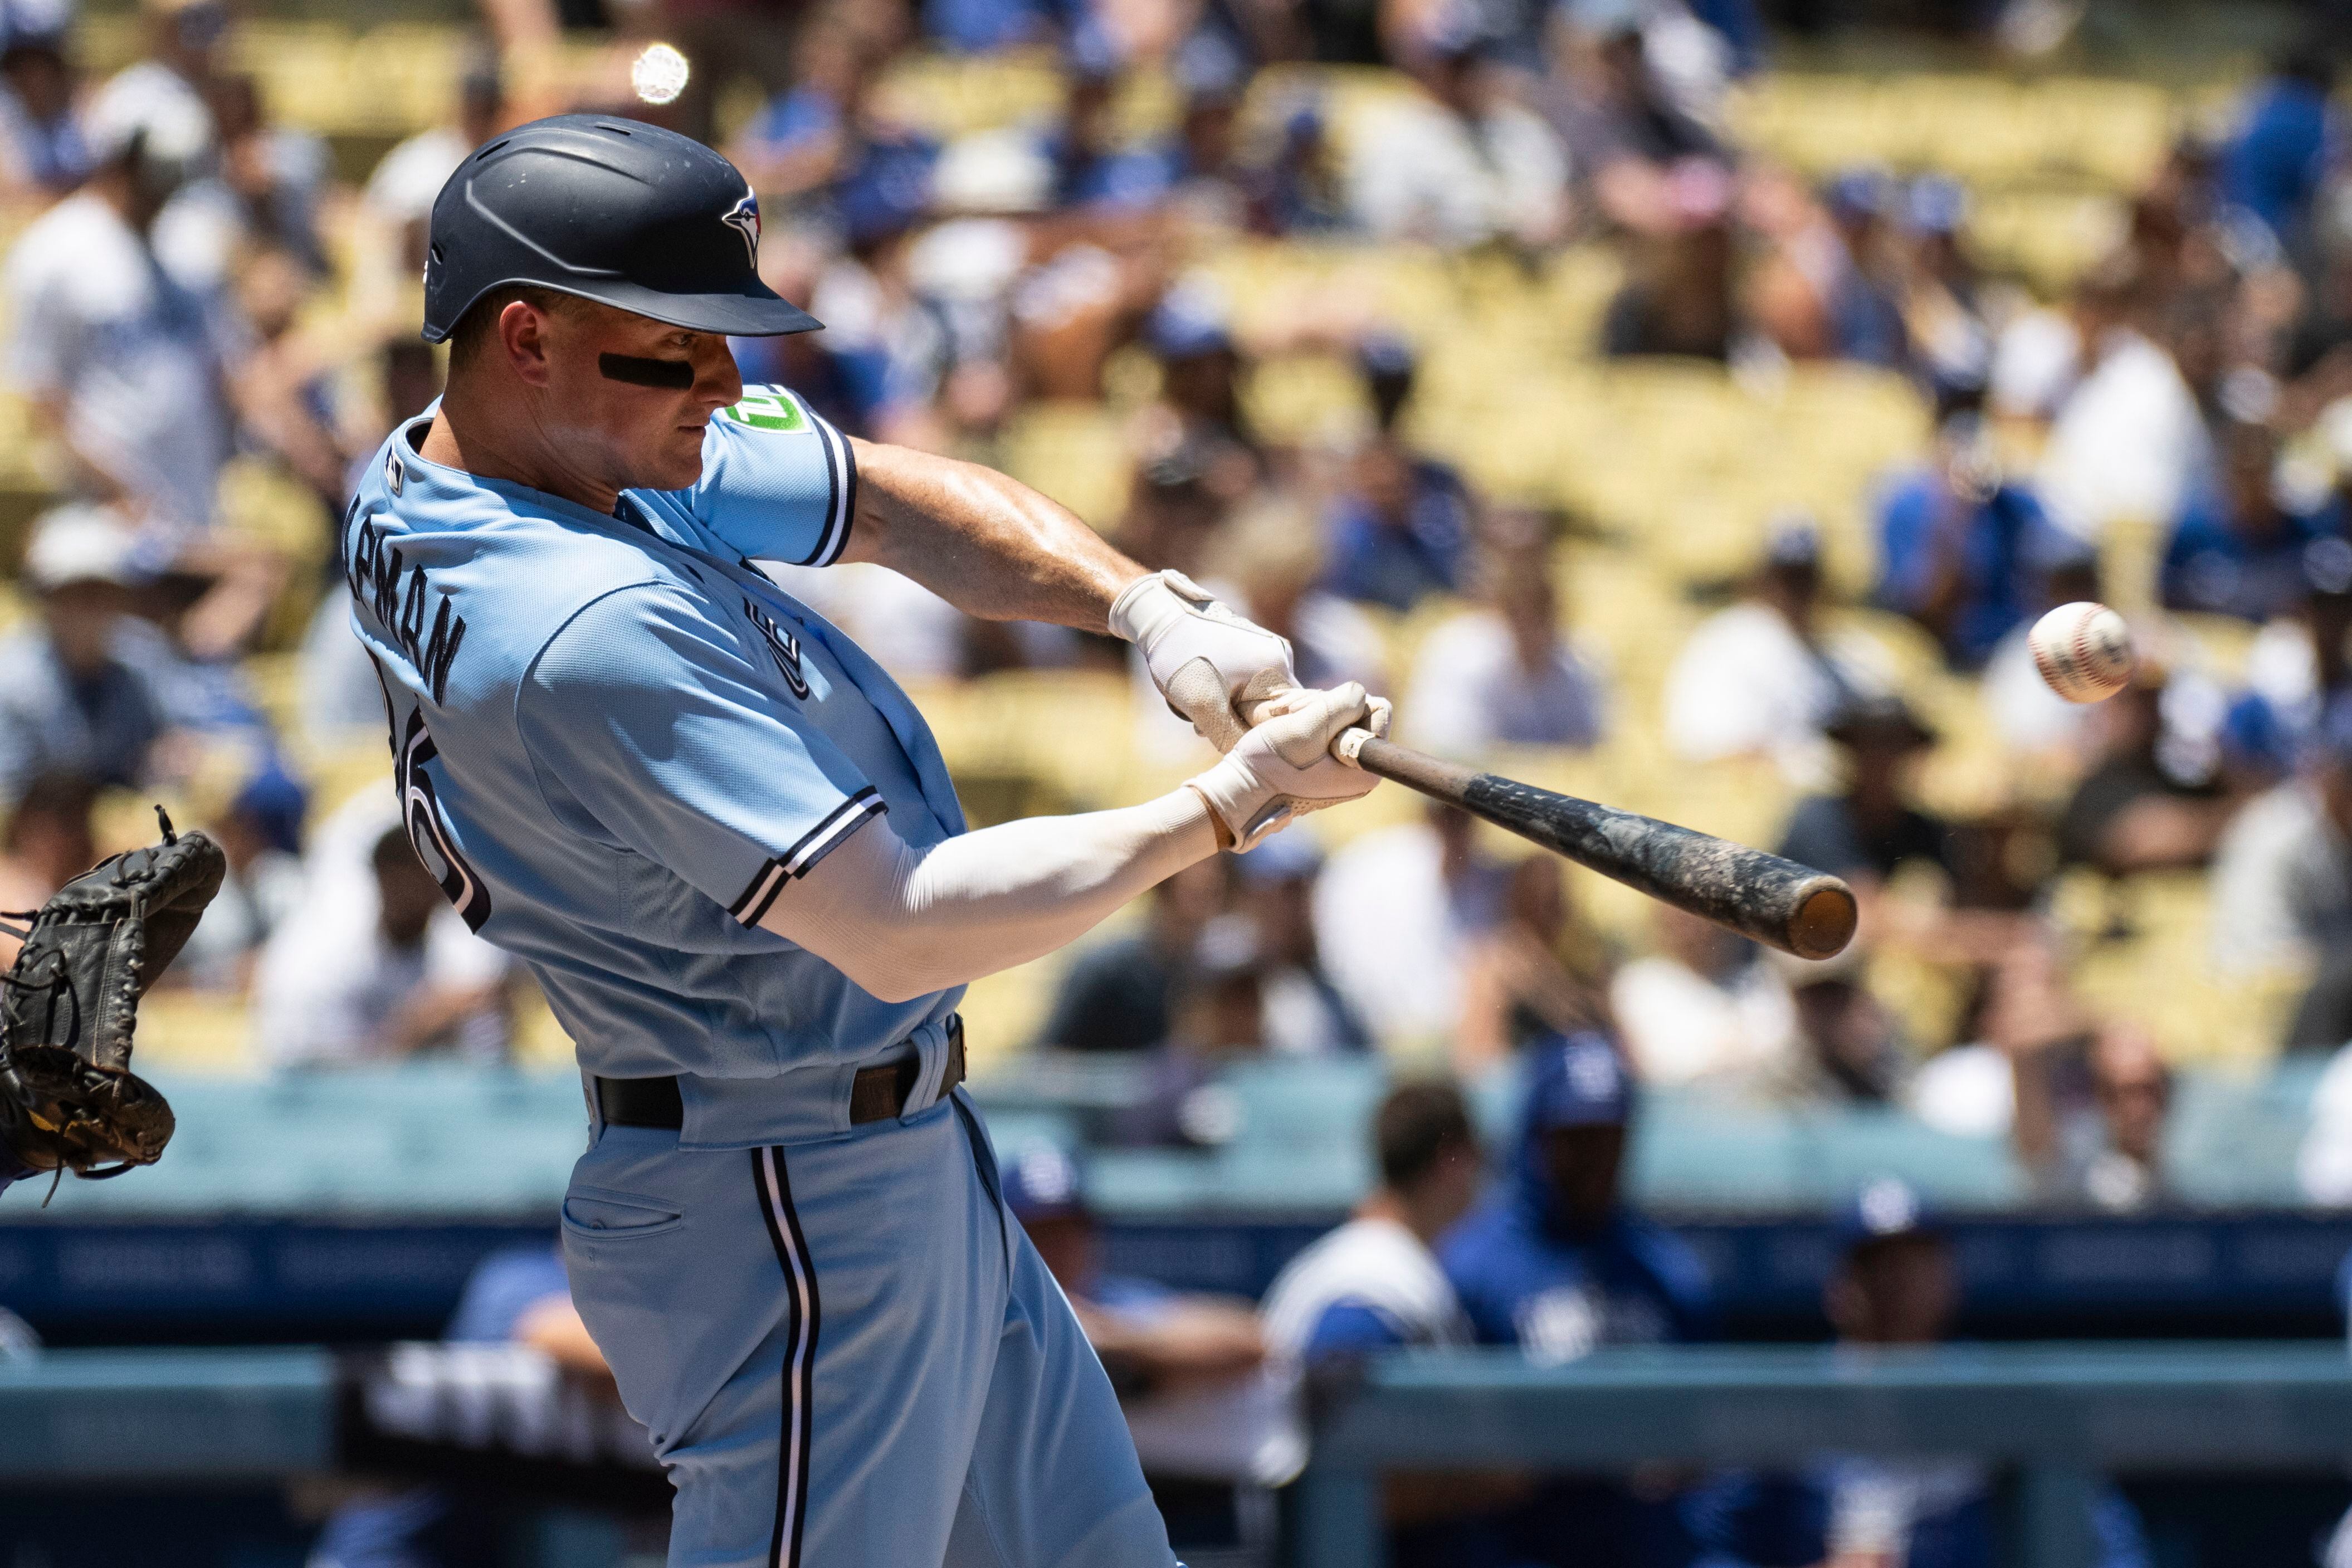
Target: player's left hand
{"points": [[1213, 666], [1285, 767]]}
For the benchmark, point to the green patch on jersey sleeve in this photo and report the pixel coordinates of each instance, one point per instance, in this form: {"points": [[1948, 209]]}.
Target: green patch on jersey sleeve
{"points": [[769, 410]]}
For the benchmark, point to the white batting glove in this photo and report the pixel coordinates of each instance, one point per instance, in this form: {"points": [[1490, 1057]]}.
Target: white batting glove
{"points": [[1211, 665], [1284, 768]]}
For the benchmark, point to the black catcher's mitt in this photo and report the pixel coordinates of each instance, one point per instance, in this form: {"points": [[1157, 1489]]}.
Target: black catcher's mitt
{"points": [[68, 1101]]}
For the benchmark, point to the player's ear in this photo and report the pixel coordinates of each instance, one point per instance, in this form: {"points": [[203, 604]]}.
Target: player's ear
{"points": [[522, 334]]}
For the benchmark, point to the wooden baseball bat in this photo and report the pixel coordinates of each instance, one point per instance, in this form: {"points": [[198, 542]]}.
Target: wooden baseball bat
{"points": [[1778, 901]]}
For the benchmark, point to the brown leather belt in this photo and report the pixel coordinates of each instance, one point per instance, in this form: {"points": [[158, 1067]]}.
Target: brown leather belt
{"points": [[876, 1094]]}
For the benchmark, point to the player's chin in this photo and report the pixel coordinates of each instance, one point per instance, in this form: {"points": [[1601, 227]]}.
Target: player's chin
{"points": [[681, 460]]}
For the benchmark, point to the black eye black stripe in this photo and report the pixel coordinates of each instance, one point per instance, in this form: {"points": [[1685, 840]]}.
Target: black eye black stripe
{"points": [[675, 375]]}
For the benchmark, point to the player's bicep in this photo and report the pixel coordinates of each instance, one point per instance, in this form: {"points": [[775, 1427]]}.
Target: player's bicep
{"points": [[656, 723], [778, 482]]}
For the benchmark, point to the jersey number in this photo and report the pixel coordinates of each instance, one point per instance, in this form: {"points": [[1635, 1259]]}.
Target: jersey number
{"points": [[420, 811]]}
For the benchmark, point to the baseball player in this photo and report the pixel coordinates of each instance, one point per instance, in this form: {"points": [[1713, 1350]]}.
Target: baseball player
{"points": [[725, 844]]}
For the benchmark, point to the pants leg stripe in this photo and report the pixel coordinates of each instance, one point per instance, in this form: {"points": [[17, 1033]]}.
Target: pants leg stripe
{"points": [[800, 1353]]}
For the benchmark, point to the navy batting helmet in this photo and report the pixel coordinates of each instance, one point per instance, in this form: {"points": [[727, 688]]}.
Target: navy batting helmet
{"points": [[611, 210]]}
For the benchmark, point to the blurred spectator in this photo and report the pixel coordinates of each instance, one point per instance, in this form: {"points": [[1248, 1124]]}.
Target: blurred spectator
{"points": [[1395, 914], [1755, 679], [827, 134], [1962, 545], [1871, 828], [1896, 1284], [46, 843], [1677, 296], [1541, 970], [1403, 530], [728, 43], [1306, 1013], [1171, 512], [2238, 548], [2277, 156], [1219, 1019], [120, 364], [42, 149], [1848, 1049], [1298, 190], [2281, 871], [1553, 1263], [1461, 162], [1943, 310], [518, 1296], [1271, 556], [263, 188], [1704, 1008], [82, 689], [1634, 151], [2299, 661], [399, 194], [2033, 721], [397, 974], [1373, 1284], [288, 375], [983, 26], [1200, 407], [185, 41], [1120, 995], [1096, 163], [1859, 288], [1185, 1364], [1504, 675], [2324, 1164], [260, 834], [2128, 442], [2114, 1160], [2149, 800]]}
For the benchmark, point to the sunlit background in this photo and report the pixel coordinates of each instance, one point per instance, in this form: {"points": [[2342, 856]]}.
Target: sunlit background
{"points": [[1682, 404]]}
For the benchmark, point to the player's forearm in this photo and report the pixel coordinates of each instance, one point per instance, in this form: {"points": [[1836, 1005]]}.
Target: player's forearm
{"points": [[989, 545], [903, 922]]}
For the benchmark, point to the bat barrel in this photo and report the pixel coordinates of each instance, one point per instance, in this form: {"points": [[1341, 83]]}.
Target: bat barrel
{"points": [[1775, 902]]}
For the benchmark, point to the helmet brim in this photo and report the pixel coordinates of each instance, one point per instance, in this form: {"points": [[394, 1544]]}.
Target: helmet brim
{"points": [[761, 314]]}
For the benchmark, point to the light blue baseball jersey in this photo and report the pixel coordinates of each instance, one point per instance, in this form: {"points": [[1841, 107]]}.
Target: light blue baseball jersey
{"points": [[618, 745]]}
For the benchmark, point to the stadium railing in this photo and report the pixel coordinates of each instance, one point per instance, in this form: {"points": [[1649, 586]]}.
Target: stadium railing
{"points": [[2055, 1419]]}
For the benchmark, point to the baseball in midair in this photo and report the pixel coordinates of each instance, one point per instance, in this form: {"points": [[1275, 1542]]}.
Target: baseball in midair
{"points": [[2082, 649]]}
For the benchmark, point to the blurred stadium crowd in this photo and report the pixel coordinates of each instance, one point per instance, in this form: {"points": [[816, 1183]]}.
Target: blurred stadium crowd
{"points": [[1655, 423], [1516, 360]]}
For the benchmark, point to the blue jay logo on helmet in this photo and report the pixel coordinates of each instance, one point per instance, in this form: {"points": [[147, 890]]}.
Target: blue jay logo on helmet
{"points": [[743, 217]]}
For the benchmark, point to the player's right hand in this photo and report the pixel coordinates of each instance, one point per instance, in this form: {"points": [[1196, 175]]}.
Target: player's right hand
{"points": [[1213, 666], [1284, 768]]}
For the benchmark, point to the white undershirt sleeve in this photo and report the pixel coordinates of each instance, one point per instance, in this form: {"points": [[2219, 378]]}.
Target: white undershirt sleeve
{"points": [[903, 922]]}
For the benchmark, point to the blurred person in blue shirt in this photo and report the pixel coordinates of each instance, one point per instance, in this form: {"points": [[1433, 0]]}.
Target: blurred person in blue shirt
{"points": [[2277, 157], [1863, 300], [1962, 545], [1094, 163], [1554, 1263], [41, 145], [1401, 530], [1190, 334], [519, 1296], [2238, 547], [1298, 189], [983, 26], [1897, 1284]]}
